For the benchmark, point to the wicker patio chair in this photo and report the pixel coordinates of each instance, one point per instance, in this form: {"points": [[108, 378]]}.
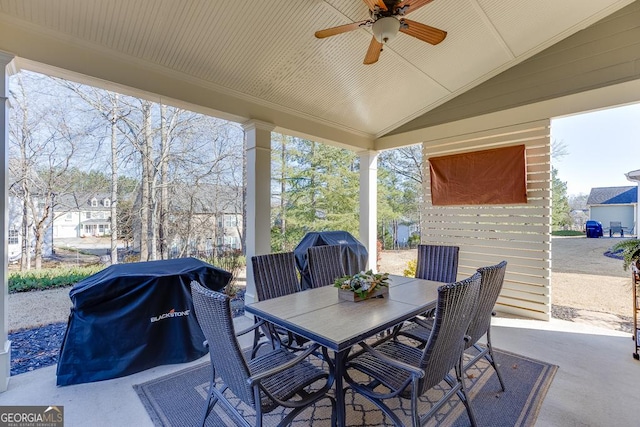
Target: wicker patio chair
{"points": [[490, 287], [437, 263], [400, 370], [325, 264], [278, 378], [275, 275]]}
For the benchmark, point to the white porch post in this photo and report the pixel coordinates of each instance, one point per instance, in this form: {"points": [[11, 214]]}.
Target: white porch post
{"points": [[258, 233], [5, 349], [369, 203], [634, 176]]}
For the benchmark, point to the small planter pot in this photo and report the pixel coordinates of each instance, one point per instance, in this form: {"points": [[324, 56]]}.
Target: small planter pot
{"points": [[347, 295]]}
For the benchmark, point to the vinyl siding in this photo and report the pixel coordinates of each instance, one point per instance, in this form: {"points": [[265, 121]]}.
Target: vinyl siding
{"points": [[604, 54]]}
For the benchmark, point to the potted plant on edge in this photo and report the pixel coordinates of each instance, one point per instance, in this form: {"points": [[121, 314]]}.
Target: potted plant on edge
{"points": [[630, 253]]}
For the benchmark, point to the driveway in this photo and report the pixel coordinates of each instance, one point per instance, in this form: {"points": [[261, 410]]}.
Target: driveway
{"points": [[91, 245], [587, 286], [585, 256]]}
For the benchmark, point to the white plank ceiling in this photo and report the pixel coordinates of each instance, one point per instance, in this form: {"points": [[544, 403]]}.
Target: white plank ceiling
{"points": [[266, 52]]}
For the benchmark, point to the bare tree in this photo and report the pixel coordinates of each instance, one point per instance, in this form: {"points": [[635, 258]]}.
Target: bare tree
{"points": [[114, 178], [405, 161], [164, 183], [106, 105], [42, 146]]}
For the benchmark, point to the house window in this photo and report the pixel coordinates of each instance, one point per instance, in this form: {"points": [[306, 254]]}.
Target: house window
{"points": [[68, 217], [94, 203], [88, 215], [101, 228], [230, 221], [231, 242], [14, 237], [107, 203]]}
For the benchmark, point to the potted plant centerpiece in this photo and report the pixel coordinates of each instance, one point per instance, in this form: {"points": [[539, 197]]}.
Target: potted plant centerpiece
{"points": [[362, 286]]}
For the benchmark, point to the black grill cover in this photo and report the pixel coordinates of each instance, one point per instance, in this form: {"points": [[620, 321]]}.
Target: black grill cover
{"points": [[354, 254], [131, 317]]}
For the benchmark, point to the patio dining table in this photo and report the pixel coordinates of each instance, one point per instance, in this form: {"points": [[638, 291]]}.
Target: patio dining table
{"points": [[320, 316]]}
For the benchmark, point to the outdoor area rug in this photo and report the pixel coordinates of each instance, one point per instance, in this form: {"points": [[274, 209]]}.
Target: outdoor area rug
{"points": [[178, 399]]}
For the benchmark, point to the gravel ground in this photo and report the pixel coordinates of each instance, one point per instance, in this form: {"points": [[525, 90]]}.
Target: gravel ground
{"points": [[587, 287]]}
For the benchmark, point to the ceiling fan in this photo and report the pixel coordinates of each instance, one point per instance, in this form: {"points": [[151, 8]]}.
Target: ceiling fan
{"points": [[387, 18]]}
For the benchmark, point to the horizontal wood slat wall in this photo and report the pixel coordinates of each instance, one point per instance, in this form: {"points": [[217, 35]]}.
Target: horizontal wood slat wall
{"points": [[520, 234]]}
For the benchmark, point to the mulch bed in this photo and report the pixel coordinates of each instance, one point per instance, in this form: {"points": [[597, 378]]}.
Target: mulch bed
{"points": [[35, 348]]}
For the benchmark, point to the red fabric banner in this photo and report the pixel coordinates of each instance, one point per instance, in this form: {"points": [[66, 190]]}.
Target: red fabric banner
{"points": [[488, 177]]}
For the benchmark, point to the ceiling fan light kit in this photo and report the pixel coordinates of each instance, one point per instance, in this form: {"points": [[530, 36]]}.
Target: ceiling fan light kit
{"points": [[385, 29], [387, 19]]}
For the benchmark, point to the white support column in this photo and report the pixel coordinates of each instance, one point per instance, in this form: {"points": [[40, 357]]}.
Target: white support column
{"points": [[369, 203], [258, 233], [634, 176], [5, 348]]}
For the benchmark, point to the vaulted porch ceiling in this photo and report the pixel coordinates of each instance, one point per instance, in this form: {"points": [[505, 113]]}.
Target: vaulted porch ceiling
{"points": [[260, 60]]}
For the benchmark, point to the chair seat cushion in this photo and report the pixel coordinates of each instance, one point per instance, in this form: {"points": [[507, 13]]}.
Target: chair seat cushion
{"points": [[285, 384]]}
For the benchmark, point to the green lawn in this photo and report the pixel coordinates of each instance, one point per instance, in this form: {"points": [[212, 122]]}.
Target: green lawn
{"points": [[567, 233]]}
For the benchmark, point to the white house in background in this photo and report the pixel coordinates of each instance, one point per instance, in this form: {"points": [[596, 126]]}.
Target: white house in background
{"points": [[614, 204], [14, 231], [634, 176], [80, 216]]}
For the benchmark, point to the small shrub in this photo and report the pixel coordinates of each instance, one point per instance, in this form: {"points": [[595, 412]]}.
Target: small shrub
{"points": [[232, 261], [49, 278], [410, 271], [630, 252]]}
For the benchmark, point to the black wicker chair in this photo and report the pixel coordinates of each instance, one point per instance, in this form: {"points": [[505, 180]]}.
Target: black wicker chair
{"points": [[490, 287], [437, 263], [278, 378], [400, 370], [276, 275], [325, 264]]}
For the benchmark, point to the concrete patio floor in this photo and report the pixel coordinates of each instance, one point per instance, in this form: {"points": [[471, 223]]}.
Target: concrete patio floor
{"points": [[596, 383]]}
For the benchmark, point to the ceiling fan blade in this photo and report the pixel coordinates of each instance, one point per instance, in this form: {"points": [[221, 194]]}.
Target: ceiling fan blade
{"points": [[373, 53], [339, 29], [423, 32], [371, 4], [413, 5]]}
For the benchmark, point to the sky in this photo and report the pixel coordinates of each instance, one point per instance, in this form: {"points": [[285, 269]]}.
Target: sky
{"points": [[601, 147]]}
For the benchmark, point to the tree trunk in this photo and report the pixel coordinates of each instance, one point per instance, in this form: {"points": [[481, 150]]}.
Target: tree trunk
{"points": [[153, 196], [283, 188], [164, 191], [114, 181], [25, 259], [144, 196], [38, 235]]}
